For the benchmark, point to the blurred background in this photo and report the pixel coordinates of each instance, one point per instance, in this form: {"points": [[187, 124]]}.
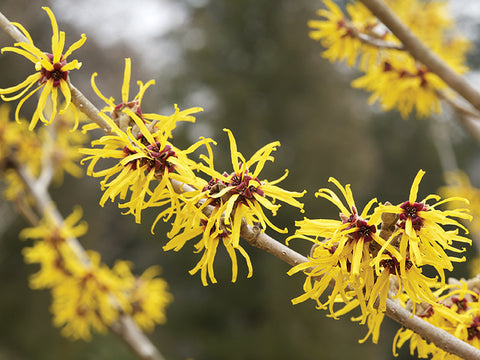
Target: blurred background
{"points": [[252, 67]]}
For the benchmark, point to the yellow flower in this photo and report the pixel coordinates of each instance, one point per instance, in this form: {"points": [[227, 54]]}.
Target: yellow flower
{"points": [[92, 298], [191, 222], [51, 72], [410, 282], [147, 295], [10, 133], [122, 113], [374, 320], [341, 35], [19, 144], [142, 159], [335, 34], [433, 23], [363, 268], [226, 202], [422, 239], [343, 253], [457, 312], [68, 229], [241, 194], [399, 82], [87, 295], [141, 142], [323, 270], [51, 251], [395, 79]]}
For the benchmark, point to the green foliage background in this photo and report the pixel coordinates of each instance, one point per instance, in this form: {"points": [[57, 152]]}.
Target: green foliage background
{"points": [[259, 75]]}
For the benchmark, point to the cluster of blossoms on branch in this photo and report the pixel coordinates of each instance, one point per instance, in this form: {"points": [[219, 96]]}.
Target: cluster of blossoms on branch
{"points": [[151, 172], [375, 255], [457, 311], [395, 79], [357, 262], [82, 287], [54, 147]]}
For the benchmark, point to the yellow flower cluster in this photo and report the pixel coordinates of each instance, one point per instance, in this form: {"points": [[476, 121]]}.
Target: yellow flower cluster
{"points": [[457, 311], [55, 149], [145, 154], [229, 201], [87, 295], [151, 172], [364, 267], [392, 75]]}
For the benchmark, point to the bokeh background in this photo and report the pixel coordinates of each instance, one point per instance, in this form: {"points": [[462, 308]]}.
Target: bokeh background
{"points": [[252, 67]]}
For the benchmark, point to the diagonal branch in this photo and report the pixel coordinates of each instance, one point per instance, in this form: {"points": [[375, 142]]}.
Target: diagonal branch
{"points": [[381, 44], [439, 337], [422, 53]]}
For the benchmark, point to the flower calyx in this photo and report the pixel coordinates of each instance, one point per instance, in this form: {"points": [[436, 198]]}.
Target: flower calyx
{"points": [[242, 184], [124, 121], [56, 74], [364, 230], [157, 157], [410, 210]]}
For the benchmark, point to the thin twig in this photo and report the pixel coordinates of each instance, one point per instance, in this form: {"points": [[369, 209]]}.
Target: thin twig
{"points": [[255, 237], [27, 211], [467, 117], [443, 144], [422, 53], [378, 43], [124, 327], [459, 106], [11, 29], [85, 106], [370, 38]]}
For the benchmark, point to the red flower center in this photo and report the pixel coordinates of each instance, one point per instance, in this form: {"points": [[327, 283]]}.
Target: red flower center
{"points": [[221, 235], [364, 230], [392, 265], [132, 105], [157, 160], [57, 74], [242, 184], [473, 330], [411, 211], [461, 304]]}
